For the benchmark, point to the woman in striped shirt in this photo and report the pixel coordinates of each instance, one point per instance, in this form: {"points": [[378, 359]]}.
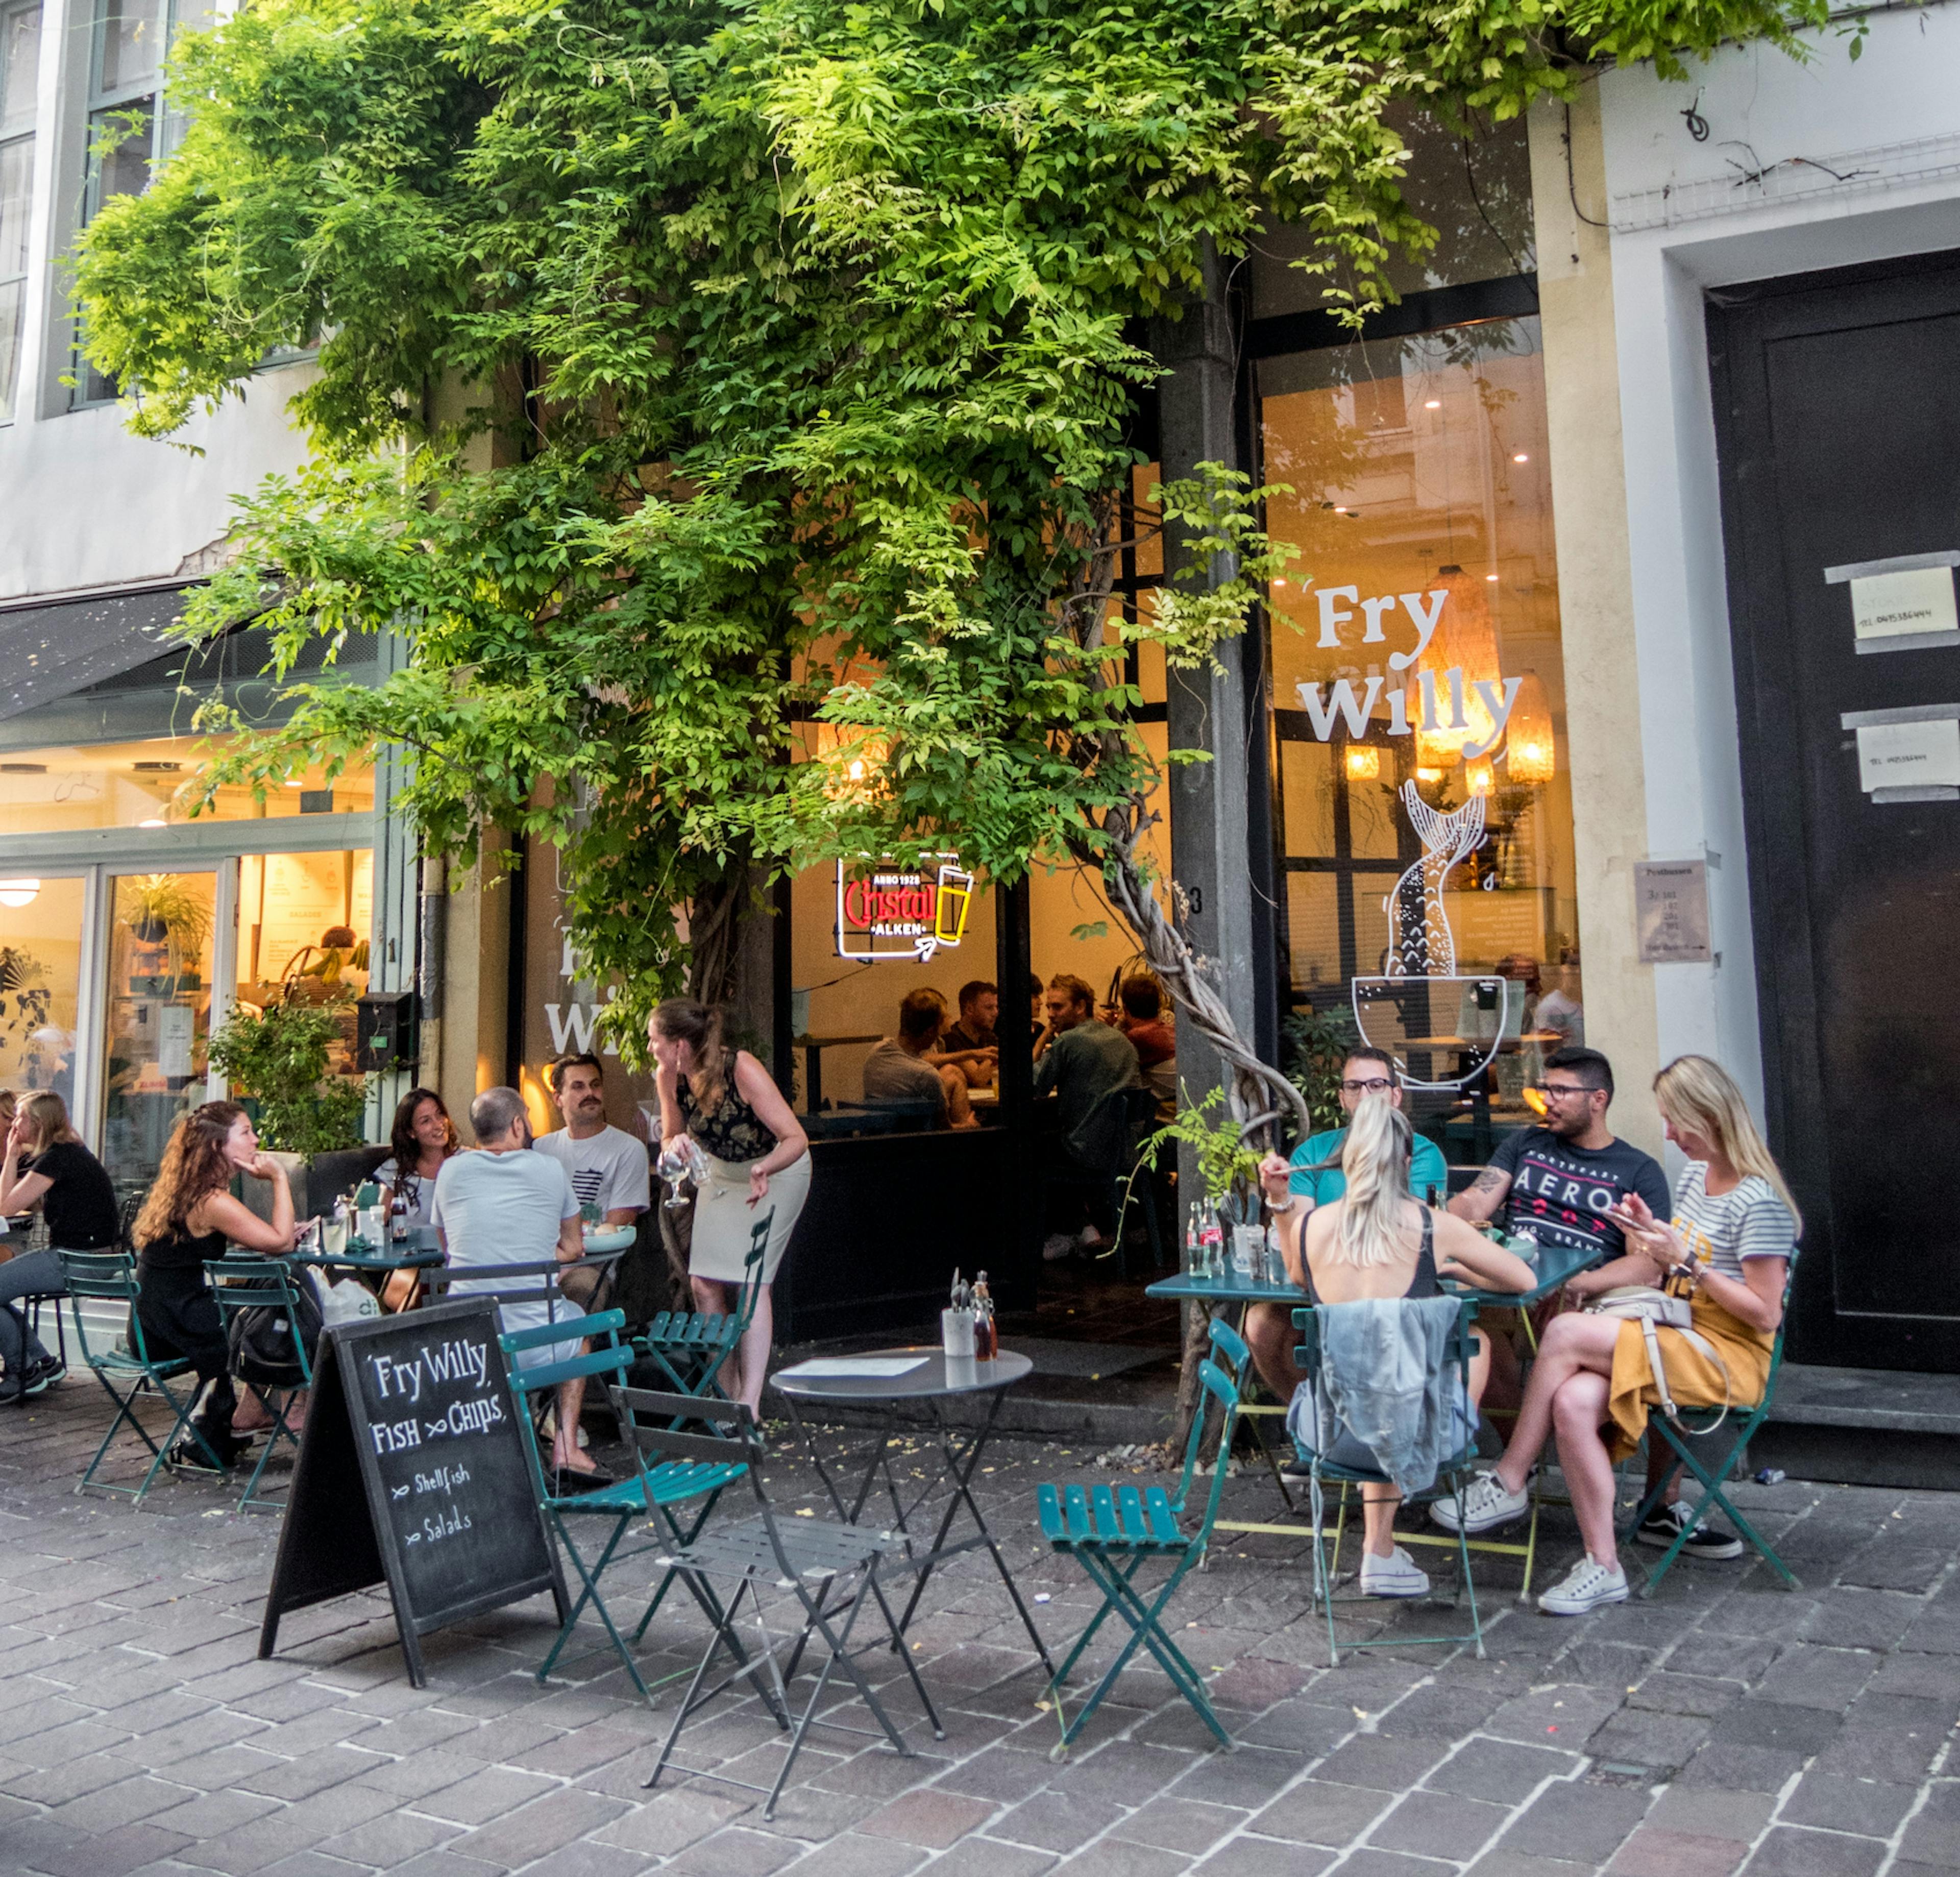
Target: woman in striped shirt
{"points": [[1730, 1243]]}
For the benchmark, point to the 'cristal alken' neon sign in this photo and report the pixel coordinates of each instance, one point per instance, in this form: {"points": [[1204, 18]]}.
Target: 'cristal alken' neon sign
{"points": [[886, 912]]}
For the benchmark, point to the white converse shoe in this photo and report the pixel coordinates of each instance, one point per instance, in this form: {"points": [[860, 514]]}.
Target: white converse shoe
{"points": [[1586, 1586], [1486, 1503], [1395, 1576]]}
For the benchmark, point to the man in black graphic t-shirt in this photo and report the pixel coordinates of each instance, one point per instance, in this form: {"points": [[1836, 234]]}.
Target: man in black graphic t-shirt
{"points": [[1563, 1179]]}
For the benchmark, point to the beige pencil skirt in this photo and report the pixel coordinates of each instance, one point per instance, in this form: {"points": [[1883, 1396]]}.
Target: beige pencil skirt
{"points": [[725, 1223]]}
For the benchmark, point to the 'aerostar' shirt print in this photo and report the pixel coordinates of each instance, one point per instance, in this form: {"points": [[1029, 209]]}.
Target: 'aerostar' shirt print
{"points": [[1562, 1193]]}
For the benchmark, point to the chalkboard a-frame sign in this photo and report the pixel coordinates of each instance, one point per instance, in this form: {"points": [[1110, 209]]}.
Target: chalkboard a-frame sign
{"points": [[412, 1470]]}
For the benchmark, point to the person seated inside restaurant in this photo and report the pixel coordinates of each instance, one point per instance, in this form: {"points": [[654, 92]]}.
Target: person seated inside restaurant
{"points": [[421, 1140], [505, 1205], [1728, 1247], [1081, 1061], [1315, 1179], [974, 1037], [190, 1215], [1138, 1013], [610, 1168], [906, 1070], [46, 1164], [1373, 1241]]}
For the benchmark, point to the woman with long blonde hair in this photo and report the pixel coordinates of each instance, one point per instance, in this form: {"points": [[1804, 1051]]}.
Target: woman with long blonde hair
{"points": [[1729, 1247], [757, 1160], [1376, 1242], [190, 1216], [45, 1163]]}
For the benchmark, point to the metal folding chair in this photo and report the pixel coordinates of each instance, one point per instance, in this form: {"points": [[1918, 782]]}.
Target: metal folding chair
{"points": [[126, 1370], [1698, 1424], [648, 1493], [689, 1346], [802, 1557], [1112, 1534], [240, 1283], [1451, 1477]]}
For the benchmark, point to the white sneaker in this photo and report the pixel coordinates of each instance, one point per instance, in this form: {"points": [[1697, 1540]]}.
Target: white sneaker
{"points": [[1487, 1502], [1586, 1586], [1395, 1576], [1058, 1245]]}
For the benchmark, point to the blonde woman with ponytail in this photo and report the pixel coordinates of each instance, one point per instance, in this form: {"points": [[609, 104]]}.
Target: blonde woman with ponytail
{"points": [[1376, 1242]]}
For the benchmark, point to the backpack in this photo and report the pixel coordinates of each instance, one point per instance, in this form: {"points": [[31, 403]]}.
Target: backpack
{"points": [[261, 1339]]}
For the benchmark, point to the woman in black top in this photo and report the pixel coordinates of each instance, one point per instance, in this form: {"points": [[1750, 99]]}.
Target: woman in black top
{"points": [[45, 1161], [189, 1217]]}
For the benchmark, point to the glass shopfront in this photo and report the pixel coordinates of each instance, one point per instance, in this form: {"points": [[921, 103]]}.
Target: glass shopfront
{"points": [[1423, 805]]}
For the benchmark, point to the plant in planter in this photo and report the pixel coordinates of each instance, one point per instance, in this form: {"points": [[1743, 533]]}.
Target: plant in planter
{"points": [[168, 921], [280, 1059]]}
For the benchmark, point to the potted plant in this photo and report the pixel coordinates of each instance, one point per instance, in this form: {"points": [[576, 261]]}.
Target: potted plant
{"points": [[168, 923], [279, 1061]]}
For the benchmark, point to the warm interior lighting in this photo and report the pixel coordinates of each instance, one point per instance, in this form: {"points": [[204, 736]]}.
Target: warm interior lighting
{"points": [[1429, 775], [1433, 404], [1479, 777], [153, 821], [855, 771], [18, 892], [1535, 1101], [1530, 752], [1490, 577], [1521, 457], [1465, 640], [1364, 763]]}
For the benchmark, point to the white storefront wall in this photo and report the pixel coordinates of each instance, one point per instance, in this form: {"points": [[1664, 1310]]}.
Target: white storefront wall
{"points": [[1684, 219]]}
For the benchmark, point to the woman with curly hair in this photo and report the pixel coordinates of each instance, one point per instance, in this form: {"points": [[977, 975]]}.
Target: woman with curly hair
{"points": [[189, 1217]]}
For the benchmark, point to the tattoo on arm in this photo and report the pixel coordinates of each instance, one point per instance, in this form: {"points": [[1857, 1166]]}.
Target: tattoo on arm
{"points": [[1490, 1180]]}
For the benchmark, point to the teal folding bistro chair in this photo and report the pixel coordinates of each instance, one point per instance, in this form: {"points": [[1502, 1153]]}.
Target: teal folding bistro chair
{"points": [[1112, 1534], [645, 1496], [1696, 1424], [1454, 1473], [126, 1370], [241, 1283], [689, 1346]]}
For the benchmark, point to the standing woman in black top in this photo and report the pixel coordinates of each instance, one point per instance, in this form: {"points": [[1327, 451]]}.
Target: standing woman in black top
{"points": [[189, 1215], [45, 1160]]}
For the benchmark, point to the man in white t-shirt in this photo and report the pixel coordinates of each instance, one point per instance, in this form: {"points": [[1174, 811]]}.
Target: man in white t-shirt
{"points": [[607, 1165], [506, 1205]]}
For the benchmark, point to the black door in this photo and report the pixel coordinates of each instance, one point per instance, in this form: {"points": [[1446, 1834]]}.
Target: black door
{"points": [[1837, 410]]}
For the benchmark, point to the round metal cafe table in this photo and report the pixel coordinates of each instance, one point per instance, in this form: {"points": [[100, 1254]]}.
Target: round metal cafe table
{"points": [[915, 1402]]}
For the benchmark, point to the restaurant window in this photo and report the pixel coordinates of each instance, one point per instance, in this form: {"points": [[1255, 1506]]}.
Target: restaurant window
{"points": [[1474, 190], [140, 784], [1423, 798], [129, 113], [19, 78], [40, 981]]}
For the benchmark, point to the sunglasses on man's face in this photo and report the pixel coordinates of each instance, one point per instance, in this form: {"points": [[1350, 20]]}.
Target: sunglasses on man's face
{"points": [[1379, 1085]]}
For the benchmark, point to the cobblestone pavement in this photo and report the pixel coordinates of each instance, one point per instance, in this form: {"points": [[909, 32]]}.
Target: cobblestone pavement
{"points": [[1727, 1725]]}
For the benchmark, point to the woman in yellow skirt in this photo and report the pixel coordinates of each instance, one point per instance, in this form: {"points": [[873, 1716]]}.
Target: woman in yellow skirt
{"points": [[1729, 1245]]}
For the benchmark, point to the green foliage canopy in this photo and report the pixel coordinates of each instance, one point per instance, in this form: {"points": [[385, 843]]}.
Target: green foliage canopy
{"points": [[799, 344]]}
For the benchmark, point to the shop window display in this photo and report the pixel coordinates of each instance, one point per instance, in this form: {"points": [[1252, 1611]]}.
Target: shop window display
{"points": [[1424, 816]]}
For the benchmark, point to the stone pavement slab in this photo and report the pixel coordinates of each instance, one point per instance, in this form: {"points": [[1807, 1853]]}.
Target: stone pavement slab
{"points": [[1726, 1727]]}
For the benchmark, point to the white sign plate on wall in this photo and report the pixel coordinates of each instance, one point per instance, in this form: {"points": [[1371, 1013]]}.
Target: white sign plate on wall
{"points": [[1904, 604], [1908, 754], [1671, 910]]}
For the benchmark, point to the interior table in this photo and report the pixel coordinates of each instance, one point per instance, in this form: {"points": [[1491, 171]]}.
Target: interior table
{"points": [[916, 1401]]}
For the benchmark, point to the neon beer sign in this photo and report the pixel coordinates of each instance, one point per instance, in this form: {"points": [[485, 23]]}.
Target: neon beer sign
{"points": [[888, 912]]}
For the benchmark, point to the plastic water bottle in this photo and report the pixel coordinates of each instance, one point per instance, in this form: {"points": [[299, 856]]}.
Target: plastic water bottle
{"points": [[1770, 1476]]}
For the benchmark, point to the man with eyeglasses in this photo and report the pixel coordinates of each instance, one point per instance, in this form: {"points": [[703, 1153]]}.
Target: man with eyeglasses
{"points": [[1562, 1179], [1317, 1180]]}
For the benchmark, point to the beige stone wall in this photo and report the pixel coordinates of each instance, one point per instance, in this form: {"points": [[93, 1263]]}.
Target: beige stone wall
{"points": [[475, 988], [1595, 598]]}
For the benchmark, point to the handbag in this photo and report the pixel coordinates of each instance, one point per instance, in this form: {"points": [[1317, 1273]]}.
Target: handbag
{"points": [[1655, 1309], [262, 1336]]}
